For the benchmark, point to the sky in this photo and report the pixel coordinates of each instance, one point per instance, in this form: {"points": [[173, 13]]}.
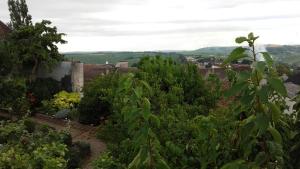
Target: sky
{"points": [[144, 25]]}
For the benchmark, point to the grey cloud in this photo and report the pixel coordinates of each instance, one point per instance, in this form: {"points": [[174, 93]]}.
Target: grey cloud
{"points": [[217, 4], [111, 32], [101, 27]]}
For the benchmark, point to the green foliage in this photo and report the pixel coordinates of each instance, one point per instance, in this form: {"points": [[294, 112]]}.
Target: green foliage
{"points": [[43, 89], [166, 116], [19, 14], [152, 110], [35, 45], [6, 61], [114, 57], [61, 101], [106, 161], [137, 112], [13, 95], [27, 147], [283, 69], [97, 99], [260, 142], [78, 152]]}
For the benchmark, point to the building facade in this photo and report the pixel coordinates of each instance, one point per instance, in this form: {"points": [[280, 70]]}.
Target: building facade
{"points": [[4, 30]]}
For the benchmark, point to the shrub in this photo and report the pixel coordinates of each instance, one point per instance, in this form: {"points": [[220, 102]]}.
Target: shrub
{"points": [[74, 158], [44, 89], [97, 99], [84, 148], [29, 125], [78, 152], [106, 161], [13, 95], [66, 138], [38, 149], [61, 101], [65, 100]]}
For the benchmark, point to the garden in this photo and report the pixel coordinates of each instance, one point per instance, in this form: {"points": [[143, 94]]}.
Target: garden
{"points": [[166, 115]]}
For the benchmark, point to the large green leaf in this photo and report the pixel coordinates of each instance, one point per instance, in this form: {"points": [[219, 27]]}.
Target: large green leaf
{"points": [[260, 66], [262, 123], [278, 86], [263, 94], [275, 134], [241, 39], [235, 55], [268, 58], [276, 113], [235, 89], [250, 36]]}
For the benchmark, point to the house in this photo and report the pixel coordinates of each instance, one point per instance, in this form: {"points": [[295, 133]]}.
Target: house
{"points": [[93, 70], [4, 30], [190, 59], [122, 64]]}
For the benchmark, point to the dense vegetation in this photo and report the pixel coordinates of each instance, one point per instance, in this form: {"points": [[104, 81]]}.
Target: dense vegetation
{"points": [[164, 115], [167, 116]]}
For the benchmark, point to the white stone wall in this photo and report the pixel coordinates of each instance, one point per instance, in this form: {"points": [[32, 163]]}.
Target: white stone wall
{"points": [[77, 77], [58, 72], [73, 69]]}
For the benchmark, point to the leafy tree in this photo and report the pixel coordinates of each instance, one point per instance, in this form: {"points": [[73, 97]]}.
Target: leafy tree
{"points": [[6, 62], [35, 45], [165, 116], [19, 14], [31, 45]]}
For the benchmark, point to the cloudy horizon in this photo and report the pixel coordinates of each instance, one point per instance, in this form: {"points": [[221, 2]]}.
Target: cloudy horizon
{"points": [[144, 25]]}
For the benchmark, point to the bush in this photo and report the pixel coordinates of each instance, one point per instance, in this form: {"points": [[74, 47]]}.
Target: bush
{"points": [[75, 158], [66, 138], [84, 148], [13, 95], [29, 125], [106, 161], [44, 89], [24, 149], [78, 152], [65, 100], [61, 101], [97, 99]]}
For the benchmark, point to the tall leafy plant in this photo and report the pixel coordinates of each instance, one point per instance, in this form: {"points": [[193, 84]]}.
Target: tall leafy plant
{"points": [[259, 95], [137, 114]]}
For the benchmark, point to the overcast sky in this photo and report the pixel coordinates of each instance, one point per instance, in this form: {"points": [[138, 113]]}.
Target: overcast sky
{"points": [[139, 25]]}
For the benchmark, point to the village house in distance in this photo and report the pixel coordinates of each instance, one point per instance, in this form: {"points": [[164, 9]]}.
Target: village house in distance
{"points": [[4, 30]]}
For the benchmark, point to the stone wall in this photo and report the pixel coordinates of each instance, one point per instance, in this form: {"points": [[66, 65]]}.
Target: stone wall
{"points": [[77, 77], [63, 69]]}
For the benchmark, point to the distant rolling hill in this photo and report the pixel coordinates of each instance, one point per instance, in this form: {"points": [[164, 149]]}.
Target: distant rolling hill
{"points": [[284, 53], [114, 57]]}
